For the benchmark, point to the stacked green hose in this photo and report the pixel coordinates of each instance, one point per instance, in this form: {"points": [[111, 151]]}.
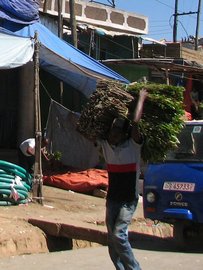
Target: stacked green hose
{"points": [[15, 184]]}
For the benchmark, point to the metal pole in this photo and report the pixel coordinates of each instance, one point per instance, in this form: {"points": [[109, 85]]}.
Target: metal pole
{"points": [[197, 26], [37, 182]]}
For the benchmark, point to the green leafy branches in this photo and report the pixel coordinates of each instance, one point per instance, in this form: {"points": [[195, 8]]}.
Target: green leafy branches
{"points": [[162, 118]]}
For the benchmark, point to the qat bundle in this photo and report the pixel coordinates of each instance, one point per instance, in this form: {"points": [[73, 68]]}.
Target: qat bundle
{"points": [[160, 124], [110, 100], [162, 118]]}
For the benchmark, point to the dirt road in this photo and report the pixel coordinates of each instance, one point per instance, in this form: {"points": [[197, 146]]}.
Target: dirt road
{"points": [[75, 210]]}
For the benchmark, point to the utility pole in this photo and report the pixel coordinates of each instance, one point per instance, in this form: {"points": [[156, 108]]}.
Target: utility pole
{"points": [[176, 14], [197, 25], [175, 22], [73, 23]]}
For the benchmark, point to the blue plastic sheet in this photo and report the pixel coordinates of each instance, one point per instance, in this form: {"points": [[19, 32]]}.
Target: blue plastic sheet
{"points": [[65, 61], [20, 11]]}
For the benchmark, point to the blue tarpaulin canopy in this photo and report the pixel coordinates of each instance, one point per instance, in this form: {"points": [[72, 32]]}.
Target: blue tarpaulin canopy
{"points": [[65, 61], [20, 11], [56, 56]]}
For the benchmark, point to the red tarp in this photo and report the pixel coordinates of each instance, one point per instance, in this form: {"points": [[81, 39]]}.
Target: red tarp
{"points": [[83, 181]]}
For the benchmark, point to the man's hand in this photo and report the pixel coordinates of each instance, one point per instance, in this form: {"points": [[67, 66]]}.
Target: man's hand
{"points": [[143, 93], [135, 134], [138, 111]]}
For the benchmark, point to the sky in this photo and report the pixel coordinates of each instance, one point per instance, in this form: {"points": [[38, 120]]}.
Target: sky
{"points": [[161, 19]]}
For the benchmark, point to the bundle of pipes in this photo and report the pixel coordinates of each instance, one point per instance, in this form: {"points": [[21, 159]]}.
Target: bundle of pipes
{"points": [[15, 184]]}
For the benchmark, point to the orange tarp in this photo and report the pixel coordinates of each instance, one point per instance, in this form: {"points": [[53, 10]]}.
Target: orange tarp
{"points": [[83, 181]]}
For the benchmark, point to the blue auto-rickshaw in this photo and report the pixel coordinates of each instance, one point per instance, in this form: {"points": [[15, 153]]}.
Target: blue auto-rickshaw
{"points": [[173, 189]]}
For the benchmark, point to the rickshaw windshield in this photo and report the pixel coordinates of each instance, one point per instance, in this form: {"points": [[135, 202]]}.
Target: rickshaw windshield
{"points": [[190, 147]]}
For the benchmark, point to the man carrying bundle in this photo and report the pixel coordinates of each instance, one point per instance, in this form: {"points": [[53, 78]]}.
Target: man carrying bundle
{"points": [[122, 151]]}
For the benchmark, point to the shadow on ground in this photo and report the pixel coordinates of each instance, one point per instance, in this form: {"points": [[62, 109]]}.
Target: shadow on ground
{"points": [[148, 242]]}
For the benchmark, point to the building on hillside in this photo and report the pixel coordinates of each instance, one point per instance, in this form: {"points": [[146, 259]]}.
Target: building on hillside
{"points": [[107, 33], [103, 32]]}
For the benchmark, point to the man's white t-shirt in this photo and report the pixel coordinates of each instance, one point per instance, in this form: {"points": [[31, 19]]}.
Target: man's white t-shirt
{"points": [[123, 166]]}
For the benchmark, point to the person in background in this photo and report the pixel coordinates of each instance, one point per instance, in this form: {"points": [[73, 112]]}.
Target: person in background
{"points": [[122, 152], [26, 153], [194, 94]]}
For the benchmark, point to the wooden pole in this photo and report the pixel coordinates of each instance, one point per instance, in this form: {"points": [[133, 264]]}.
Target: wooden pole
{"points": [[60, 20], [37, 181], [73, 23], [45, 6], [167, 76], [60, 35]]}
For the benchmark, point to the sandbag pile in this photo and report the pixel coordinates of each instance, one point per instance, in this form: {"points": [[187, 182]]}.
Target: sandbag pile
{"points": [[160, 124]]}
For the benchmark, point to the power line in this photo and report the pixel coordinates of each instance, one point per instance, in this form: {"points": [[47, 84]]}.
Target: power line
{"points": [[158, 26], [164, 4]]}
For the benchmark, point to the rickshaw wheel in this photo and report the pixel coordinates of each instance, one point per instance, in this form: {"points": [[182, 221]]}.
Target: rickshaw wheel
{"points": [[186, 234]]}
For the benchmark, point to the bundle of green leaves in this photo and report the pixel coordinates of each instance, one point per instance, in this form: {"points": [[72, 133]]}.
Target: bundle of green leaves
{"points": [[161, 122], [162, 118]]}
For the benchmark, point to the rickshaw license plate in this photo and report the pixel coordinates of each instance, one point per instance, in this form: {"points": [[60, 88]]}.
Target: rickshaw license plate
{"points": [[179, 186]]}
